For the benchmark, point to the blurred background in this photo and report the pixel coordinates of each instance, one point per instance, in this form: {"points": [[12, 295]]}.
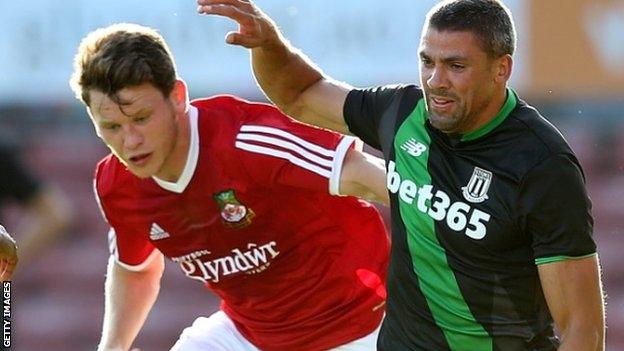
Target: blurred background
{"points": [[569, 64]]}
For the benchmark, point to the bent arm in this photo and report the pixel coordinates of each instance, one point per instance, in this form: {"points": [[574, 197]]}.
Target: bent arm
{"points": [[574, 295], [129, 296], [298, 87], [364, 176]]}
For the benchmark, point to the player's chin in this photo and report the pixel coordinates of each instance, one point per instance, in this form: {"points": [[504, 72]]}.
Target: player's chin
{"points": [[140, 172], [444, 123]]}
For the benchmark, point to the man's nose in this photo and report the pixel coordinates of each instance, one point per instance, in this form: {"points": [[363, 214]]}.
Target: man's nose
{"points": [[132, 138], [438, 79]]}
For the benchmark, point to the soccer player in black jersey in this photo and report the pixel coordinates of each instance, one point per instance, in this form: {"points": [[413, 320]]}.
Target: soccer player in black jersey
{"points": [[492, 225]]}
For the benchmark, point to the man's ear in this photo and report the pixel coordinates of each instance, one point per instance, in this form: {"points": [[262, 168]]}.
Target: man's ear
{"points": [[179, 96], [503, 69]]}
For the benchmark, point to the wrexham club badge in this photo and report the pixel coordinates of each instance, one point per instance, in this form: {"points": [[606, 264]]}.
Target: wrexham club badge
{"points": [[234, 214]]}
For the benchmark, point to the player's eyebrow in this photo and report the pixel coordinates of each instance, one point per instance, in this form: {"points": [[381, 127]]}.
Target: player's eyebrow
{"points": [[141, 112], [447, 59]]}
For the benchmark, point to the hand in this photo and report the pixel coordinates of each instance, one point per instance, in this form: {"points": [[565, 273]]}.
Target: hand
{"points": [[255, 28], [8, 255]]}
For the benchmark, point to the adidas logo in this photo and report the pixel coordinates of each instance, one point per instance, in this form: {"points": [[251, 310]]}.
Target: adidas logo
{"points": [[157, 233]]}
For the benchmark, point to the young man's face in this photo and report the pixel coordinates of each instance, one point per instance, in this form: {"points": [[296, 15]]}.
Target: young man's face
{"points": [[458, 79], [142, 132]]}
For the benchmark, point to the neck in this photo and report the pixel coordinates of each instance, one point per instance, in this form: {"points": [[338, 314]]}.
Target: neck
{"points": [[176, 161], [491, 110]]}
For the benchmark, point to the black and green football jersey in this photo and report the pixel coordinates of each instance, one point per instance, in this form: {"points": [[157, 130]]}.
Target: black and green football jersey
{"points": [[472, 217]]}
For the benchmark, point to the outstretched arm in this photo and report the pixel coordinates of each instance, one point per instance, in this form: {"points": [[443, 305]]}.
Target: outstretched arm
{"points": [[364, 175], [129, 298], [287, 76]]}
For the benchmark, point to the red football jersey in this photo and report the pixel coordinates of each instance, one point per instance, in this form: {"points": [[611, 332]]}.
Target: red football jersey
{"points": [[253, 219]]}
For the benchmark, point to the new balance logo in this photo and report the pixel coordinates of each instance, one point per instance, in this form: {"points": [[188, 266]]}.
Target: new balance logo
{"points": [[157, 233], [413, 147]]}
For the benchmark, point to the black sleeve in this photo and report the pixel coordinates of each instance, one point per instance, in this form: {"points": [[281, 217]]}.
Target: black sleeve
{"points": [[15, 181], [556, 210], [364, 109]]}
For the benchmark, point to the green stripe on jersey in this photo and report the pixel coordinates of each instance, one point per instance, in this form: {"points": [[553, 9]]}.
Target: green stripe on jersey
{"points": [[435, 278], [543, 260], [510, 103]]}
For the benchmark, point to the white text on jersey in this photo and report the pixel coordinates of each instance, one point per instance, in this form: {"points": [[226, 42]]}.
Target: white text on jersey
{"points": [[455, 214], [254, 260]]}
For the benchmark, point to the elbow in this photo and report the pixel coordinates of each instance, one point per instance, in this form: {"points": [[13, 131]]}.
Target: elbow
{"points": [[585, 336], [294, 108]]}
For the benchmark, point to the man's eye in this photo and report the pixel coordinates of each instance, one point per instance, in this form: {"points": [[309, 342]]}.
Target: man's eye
{"points": [[111, 127], [426, 62]]}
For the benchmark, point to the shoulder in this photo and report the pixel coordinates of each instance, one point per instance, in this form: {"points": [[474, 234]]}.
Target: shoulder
{"points": [[232, 107], [223, 117], [535, 139], [387, 93], [540, 129]]}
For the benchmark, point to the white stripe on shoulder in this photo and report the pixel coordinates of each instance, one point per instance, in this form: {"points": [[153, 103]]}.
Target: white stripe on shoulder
{"points": [[286, 145], [284, 155], [270, 130]]}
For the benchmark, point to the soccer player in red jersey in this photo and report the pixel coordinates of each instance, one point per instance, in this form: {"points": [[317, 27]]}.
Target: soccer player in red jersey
{"points": [[240, 196]]}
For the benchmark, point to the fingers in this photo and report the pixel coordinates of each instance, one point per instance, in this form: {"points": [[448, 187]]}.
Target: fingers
{"points": [[243, 6], [232, 12], [255, 28], [237, 3], [236, 38]]}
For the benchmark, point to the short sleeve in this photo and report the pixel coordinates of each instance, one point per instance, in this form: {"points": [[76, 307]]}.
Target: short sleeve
{"points": [[276, 150], [364, 108], [130, 249], [16, 182], [556, 211]]}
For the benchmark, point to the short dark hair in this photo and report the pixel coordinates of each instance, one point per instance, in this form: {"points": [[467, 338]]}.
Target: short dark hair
{"points": [[119, 56], [489, 20]]}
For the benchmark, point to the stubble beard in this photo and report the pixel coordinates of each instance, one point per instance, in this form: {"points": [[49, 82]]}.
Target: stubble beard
{"points": [[447, 124]]}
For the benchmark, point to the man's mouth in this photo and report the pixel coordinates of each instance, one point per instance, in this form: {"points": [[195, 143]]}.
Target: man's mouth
{"points": [[140, 160], [441, 103]]}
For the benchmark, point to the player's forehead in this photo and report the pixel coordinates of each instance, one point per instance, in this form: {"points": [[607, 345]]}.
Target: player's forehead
{"points": [[132, 100], [449, 44]]}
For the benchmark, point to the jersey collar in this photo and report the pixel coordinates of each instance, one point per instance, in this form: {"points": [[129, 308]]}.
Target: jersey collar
{"points": [[191, 159], [508, 106]]}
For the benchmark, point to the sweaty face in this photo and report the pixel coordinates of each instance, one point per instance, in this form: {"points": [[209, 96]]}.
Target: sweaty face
{"points": [[141, 131], [457, 78]]}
